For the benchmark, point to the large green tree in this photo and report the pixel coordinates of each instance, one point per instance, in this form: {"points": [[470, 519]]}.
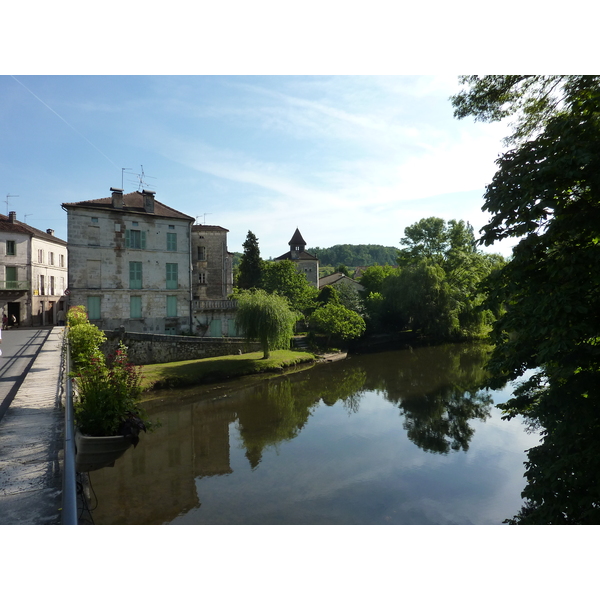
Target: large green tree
{"points": [[267, 318], [283, 278], [546, 193], [337, 322], [251, 264]]}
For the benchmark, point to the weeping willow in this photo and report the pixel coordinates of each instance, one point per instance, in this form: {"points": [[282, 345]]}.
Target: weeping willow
{"points": [[266, 318]]}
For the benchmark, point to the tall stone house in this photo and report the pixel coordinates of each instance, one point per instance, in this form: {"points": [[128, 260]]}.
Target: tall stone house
{"points": [[306, 263], [212, 282], [33, 273], [130, 263]]}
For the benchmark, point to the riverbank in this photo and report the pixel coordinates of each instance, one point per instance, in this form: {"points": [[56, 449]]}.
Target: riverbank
{"points": [[218, 369]]}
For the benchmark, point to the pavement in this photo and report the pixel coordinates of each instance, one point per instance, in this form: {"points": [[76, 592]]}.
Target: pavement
{"points": [[31, 427]]}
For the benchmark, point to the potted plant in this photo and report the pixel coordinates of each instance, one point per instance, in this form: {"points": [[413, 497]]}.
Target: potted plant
{"points": [[108, 417]]}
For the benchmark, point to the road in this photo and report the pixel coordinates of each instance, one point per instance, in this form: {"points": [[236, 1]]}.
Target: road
{"points": [[19, 349]]}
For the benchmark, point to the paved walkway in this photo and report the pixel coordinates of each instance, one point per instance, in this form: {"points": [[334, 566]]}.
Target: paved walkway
{"points": [[31, 443]]}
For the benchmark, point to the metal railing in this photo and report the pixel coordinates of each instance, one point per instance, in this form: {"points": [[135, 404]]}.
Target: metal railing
{"points": [[215, 304], [14, 285], [69, 499]]}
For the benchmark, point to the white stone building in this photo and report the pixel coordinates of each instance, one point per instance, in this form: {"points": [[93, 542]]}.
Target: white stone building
{"points": [[33, 273], [129, 262], [212, 282]]}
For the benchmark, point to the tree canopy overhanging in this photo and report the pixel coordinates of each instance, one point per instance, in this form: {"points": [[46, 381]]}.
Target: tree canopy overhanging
{"points": [[546, 192]]}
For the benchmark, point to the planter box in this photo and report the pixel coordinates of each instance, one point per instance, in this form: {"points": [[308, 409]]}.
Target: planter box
{"points": [[97, 452]]}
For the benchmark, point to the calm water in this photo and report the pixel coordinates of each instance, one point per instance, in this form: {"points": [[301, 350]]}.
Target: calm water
{"points": [[403, 437]]}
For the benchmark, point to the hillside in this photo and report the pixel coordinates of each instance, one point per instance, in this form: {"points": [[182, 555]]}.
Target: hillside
{"points": [[355, 255]]}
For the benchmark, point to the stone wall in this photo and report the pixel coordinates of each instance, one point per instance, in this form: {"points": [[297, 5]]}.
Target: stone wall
{"points": [[152, 348]]}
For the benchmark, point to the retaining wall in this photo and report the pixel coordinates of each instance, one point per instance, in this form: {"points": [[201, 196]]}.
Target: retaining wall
{"points": [[152, 348]]}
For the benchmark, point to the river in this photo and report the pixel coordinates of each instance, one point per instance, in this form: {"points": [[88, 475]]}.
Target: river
{"points": [[400, 437]]}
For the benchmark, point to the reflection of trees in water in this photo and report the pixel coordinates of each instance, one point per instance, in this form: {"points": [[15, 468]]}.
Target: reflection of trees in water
{"points": [[281, 407], [438, 391]]}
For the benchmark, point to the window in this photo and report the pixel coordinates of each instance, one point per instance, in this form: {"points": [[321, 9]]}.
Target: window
{"points": [[62, 260], [93, 306], [42, 285], [135, 275], [171, 242], [62, 286], [202, 278], [11, 248], [201, 252], [172, 278], [135, 307], [171, 306], [94, 219], [50, 258], [51, 285], [11, 278], [40, 256], [135, 239]]}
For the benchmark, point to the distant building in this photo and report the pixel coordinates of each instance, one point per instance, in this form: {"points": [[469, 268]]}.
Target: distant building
{"points": [[212, 282], [339, 279], [33, 273], [305, 262], [129, 262]]}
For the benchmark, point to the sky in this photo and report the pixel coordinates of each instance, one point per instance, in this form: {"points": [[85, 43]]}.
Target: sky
{"points": [[346, 159]]}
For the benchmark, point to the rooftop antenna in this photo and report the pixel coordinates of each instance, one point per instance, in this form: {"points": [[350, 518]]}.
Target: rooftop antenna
{"points": [[123, 169], [205, 217], [7, 197], [25, 217], [142, 179]]}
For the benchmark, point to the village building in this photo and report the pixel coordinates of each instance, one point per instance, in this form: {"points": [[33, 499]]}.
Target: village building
{"points": [[306, 263], [33, 273], [129, 262], [338, 280], [212, 282]]}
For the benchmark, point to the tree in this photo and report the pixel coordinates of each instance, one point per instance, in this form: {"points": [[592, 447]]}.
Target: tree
{"points": [[373, 278], [267, 318], [547, 192], [250, 269], [337, 322], [343, 269], [283, 278]]}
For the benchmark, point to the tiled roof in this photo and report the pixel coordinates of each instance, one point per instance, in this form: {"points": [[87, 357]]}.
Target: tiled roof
{"points": [[301, 256], [18, 227], [297, 239], [208, 228], [133, 202], [336, 278]]}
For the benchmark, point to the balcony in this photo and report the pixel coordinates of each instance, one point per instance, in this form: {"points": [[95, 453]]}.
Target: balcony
{"points": [[201, 305], [15, 286]]}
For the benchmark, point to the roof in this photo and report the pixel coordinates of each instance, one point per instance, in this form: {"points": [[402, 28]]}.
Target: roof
{"points": [[301, 256], [336, 278], [208, 228], [18, 227], [297, 239], [133, 202]]}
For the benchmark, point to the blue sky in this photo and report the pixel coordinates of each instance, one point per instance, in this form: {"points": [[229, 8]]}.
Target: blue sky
{"points": [[346, 159]]}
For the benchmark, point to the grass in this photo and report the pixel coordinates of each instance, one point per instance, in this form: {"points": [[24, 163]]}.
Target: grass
{"points": [[219, 368]]}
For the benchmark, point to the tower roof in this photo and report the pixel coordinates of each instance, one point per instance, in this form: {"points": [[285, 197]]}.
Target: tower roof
{"points": [[297, 239]]}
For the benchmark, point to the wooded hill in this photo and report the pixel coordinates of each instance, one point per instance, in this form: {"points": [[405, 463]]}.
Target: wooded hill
{"points": [[355, 255]]}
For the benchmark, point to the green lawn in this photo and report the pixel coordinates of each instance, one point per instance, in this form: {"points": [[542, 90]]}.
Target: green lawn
{"points": [[219, 368]]}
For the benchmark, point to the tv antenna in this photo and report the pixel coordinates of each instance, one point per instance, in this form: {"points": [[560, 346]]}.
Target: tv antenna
{"points": [[25, 217], [123, 169], [142, 179], [7, 197], [198, 218]]}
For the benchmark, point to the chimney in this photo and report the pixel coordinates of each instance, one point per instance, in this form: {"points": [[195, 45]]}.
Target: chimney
{"points": [[117, 197], [12, 216], [50, 231], [148, 201]]}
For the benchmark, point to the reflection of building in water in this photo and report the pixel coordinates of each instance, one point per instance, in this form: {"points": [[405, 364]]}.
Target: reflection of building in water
{"points": [[155, 482]]}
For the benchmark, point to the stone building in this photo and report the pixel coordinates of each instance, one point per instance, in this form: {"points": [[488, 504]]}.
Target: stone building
{"points": [[212, 282], [305, 262], [33, 273], [129, 262]]}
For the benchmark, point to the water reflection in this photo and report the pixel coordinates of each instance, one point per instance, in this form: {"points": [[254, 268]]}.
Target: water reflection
{"points": [[314, 426]]}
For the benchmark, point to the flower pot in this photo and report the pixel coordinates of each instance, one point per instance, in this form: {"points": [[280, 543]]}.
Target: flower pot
{"points": [[97, 452]]}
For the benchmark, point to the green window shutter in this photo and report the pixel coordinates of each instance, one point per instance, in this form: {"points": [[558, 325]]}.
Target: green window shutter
{"points": [[93, 307], [171, 306], [135, 275], [172, 278], [135, 307], [127, 238], [143, 244]]}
